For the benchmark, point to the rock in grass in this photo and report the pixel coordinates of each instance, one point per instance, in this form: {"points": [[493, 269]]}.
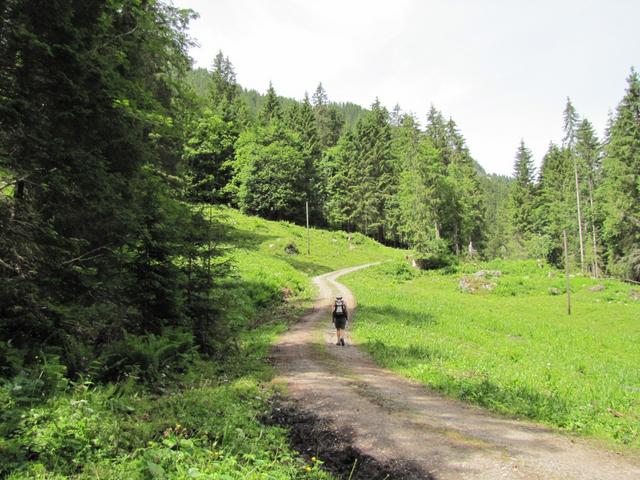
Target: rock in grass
{"points": [[291, 248], [473, 284], [554, 291], [634, 295], [487, 273], [596, 288]]}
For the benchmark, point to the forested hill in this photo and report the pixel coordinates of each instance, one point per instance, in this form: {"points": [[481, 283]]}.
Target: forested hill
{"points": [[201, 79]]}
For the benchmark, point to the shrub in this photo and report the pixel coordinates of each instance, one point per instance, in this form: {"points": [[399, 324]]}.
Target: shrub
{"points": [[149, 357], [291, 248]]}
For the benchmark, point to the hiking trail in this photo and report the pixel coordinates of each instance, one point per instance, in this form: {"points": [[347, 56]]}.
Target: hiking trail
{"points": [[342, 407]]}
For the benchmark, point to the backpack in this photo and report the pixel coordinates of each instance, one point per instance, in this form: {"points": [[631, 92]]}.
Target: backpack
{"points": [[339, 308]]}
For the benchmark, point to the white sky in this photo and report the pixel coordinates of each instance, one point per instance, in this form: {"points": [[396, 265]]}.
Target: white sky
{"points": [[502, 69]]}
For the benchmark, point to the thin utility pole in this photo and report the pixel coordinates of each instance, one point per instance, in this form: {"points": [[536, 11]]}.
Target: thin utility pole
{"points": [[308, 232], [566, 270]]}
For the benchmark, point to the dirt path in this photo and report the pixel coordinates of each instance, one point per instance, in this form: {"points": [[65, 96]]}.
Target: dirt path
{"points": [[397, 422]]}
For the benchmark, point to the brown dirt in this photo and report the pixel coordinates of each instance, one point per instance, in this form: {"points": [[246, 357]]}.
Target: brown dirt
{"points": [[343, 407]]}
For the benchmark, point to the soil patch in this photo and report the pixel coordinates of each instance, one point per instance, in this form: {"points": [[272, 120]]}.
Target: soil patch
{"points": [[313, 437]]}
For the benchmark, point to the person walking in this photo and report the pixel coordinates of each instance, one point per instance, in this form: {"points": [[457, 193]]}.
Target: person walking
{"points": [[340, 317]]}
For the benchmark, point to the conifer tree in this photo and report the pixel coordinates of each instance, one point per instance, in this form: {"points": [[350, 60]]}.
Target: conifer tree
{"points": [[588, 154], [271, 110], [301, 119], [620, 190], [329, 121], [522, 193], [555, 190], [571, 120]]}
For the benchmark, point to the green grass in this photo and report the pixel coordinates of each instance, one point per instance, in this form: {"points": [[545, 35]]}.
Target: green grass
{"points": [[514, 349], [206, 422]]}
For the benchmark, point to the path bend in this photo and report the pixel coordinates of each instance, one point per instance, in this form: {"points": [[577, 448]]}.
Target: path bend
{"points": [[393, 419]]}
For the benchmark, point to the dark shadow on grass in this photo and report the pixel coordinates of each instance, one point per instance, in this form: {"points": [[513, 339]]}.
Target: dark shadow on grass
{"points": [[474, 386], [250, 240], [400, 315], [306, 266]]}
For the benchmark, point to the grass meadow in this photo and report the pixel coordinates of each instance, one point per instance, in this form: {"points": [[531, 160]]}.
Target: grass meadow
{"points": [[514, 349]]}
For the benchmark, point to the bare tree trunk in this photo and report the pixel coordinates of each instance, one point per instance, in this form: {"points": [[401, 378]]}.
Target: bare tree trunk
{"points": [[437, 230], [596, 271], [575, 169]]}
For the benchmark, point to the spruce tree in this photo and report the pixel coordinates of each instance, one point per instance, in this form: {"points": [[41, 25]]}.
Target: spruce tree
{"points": [[620, 191], [271, 109], [571, 120], [522, 193], [329, 121], [588, 153]]}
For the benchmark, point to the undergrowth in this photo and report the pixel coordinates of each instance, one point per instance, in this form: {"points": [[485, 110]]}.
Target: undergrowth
{"points": [[153, 406]]}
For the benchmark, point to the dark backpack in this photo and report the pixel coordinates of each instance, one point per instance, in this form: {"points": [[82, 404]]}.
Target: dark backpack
{"points": [[339, 309]]}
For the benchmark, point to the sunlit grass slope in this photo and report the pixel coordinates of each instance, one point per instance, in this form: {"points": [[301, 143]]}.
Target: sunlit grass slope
{"points": [[513, 349]]}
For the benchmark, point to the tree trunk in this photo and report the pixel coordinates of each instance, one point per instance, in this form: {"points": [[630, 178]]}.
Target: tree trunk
{"points": [[575, 169], [596, 272]]}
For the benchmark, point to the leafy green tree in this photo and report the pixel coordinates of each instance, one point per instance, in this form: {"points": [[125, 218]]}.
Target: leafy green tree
{"points": [[620, 190], [270, 173], [207, 152]]}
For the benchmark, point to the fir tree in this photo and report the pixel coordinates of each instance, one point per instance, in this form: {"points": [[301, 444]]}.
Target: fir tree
{"points": [[522, 194], [588, 153], [271, 109], [620, 191]]}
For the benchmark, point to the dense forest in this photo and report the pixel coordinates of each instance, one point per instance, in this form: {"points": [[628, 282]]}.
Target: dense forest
{"points": [[110, 145]]}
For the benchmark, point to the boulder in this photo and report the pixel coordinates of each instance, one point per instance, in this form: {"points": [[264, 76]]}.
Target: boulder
{"points": [[473, 284]]}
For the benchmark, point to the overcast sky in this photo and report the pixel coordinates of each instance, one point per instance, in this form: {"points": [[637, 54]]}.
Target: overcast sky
{"points": [[501, 69]]}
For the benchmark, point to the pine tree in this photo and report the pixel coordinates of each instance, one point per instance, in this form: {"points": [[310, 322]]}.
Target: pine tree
{"points": [[522, 193], [301, 119], [588, 156], [271, 110], [555, 187], [620, 191], [571, 120], [329, 121]]}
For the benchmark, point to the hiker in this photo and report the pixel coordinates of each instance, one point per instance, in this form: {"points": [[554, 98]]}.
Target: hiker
{"points": [[340, 317]]}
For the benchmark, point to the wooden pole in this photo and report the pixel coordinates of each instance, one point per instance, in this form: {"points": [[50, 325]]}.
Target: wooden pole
{"points": [[308, 232], [566, 270]]}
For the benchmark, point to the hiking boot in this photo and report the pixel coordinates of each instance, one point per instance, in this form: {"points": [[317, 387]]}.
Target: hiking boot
{"points": [[338, 343], [342, 342]]}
